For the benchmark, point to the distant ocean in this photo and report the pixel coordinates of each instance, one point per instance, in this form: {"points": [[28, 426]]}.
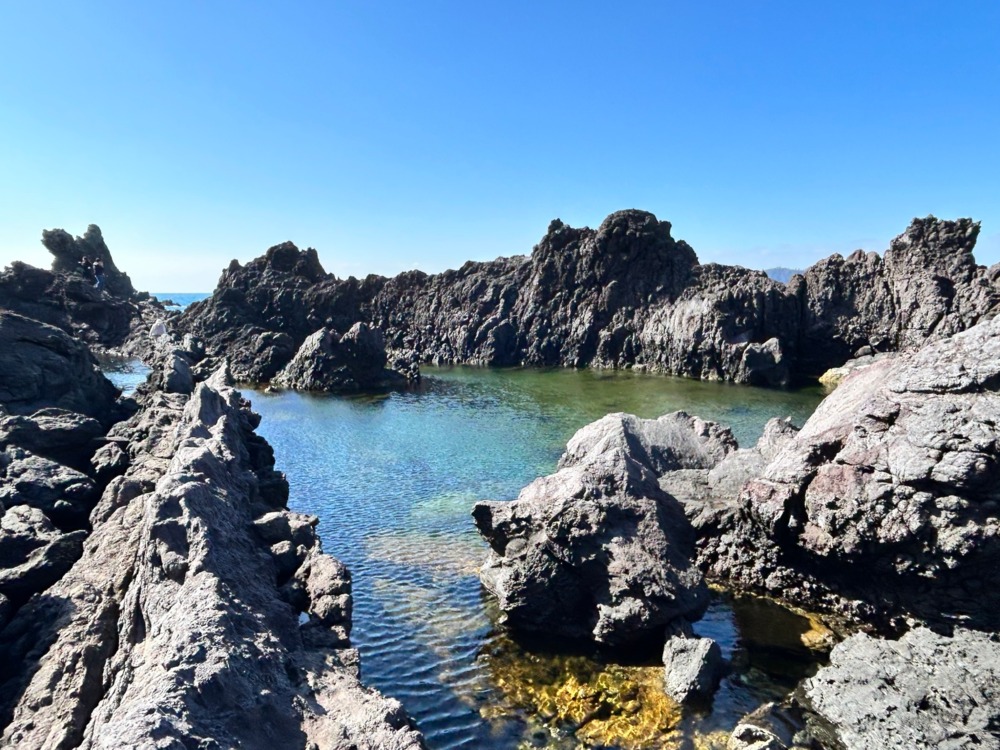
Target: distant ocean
{"points": [[180, 300]]}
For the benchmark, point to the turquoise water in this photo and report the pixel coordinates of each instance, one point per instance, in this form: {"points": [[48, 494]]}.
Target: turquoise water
{"points": [[126, 373], [393, 479], [180, 300]]}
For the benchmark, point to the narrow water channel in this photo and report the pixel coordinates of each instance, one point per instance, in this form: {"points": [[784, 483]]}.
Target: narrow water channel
{"points": [[393, 479]]}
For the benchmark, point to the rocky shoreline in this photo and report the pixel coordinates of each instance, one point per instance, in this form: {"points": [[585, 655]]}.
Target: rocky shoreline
{"points": [[882, 513], [624, 295], [155, 590]]}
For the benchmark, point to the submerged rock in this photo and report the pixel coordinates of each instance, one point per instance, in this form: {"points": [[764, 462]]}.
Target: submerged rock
{"points": [[597, 551], [892, 483]]}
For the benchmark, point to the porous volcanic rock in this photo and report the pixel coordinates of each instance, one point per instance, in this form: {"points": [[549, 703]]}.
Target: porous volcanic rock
{"points": [[624, 295], [328, 361], [925, 691], [33, 553], [926, 286], [65, 495], [261, 313], [63, 436], [886, 503], [65, 296], [692, 668], [67, 252], [597, 551], [180, 619], [41, 366]]}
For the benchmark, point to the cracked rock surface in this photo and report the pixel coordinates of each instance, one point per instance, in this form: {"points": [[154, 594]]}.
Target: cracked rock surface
{"points": [[179, 626], [887, 502], [598, 551]]}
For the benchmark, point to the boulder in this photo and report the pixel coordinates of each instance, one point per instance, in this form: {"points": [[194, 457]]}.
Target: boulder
{"points": [[597, 551], [41, 366], [692, 668], [65, 495], [329, 362], [33, 553], [63, 436]]}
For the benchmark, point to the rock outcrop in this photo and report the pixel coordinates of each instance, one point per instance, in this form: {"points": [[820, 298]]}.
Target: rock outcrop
{"points": [[925, 691], [334, 363], [181, 618], [625, 295], [885, 504], [65, 296], [41, 366], [597, 551], [692, 668], [261, 313]]}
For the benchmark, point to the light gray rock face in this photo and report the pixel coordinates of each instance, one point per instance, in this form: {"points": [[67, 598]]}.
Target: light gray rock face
{"points": [[179, 625], [894, 482], [334, 363], [40, 366], [925, 691], [692, 668], [673, 441], [709, 495], [597, 551]]}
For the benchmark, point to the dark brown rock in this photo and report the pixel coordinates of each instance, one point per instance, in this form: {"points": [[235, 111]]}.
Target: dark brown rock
{"points": [[41, 366], [597, 551], [625, 295]]}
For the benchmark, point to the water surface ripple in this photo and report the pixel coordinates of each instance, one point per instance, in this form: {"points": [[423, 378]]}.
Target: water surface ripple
{"points": [[393, 479]]}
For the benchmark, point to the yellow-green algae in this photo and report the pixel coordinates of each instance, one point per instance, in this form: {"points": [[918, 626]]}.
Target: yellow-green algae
{"points": [[600, 704]]}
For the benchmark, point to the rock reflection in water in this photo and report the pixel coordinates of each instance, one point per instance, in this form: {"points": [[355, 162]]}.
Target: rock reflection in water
{"points": [[393, 481]]}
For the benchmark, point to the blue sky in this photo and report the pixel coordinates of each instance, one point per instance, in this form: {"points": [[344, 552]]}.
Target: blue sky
{"points": [[394, 135]]}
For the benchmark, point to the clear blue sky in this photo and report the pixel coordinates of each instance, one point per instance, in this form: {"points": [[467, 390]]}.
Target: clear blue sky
{"points": [[393, 135]]}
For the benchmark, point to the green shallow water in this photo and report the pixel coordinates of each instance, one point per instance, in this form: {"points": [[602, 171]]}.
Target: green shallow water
{"points": [[393, 479]]}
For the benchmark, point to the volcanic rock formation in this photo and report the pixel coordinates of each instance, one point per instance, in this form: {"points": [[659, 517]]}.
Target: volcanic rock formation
{"points": [[65, 297], [625, 295], [597, 551], [329, 362], [181, 618], [886, 503]]}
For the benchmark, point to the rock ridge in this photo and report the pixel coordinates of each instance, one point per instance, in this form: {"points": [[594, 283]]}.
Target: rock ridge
{"points": [[624, 295]]}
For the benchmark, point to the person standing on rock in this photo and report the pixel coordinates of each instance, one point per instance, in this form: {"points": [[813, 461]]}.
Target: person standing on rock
{"points": [[85, 267], [98, 269]]}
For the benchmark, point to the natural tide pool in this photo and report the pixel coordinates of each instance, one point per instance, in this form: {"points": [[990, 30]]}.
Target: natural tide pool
{"points": [[393, 479]]}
